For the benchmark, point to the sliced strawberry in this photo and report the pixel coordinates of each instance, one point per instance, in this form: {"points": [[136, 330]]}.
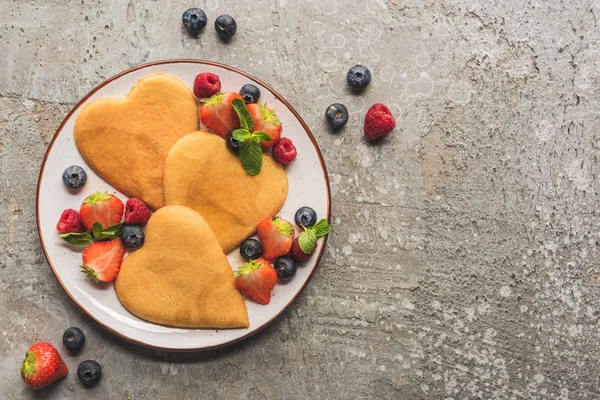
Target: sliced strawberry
{"points": [[217, 114], [102, 260], [256, 279], [276, 235], [265, 120], [103, 208]]}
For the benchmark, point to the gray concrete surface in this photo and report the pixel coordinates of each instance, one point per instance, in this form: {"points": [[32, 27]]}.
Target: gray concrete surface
{"points": [[463, 262]]}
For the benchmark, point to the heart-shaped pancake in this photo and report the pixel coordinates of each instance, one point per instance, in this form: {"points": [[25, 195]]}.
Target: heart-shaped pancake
{"points": [[180, 277], [202, 174], [126, 141]]}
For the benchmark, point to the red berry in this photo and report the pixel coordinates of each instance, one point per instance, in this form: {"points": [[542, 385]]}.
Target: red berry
{"points": [[42, 366], [136, 212], [378, 122], [284, 151], [297, 253], [206, 84], [104, 208], [256, 279], [70, 222]]}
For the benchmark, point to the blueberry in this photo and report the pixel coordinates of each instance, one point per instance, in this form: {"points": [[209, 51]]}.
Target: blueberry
{"points": [[232, 144], [194, 20], [285, 268], [359, 77], [250, 93], [74, 177], [89, 372], [305, 216], [73, 338], [251, 249], [133, 236], [336, 115], [225, 26]]}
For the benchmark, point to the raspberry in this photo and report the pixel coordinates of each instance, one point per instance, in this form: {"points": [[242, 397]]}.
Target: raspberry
{"points": [[206, 84], [70, 222], [136, 212], [297, 253], [378, 122], [284, 151]]}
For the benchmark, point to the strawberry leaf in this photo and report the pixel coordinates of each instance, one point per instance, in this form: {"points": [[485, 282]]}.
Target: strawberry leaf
{"points": [[307, 241], [251, 156], [214, 100], [247, 268], [110, 233], [97, 198], [268, 115], [244, 115], [262, 136], [283, 226], [241, 135], [77, 239], [321, 228]]}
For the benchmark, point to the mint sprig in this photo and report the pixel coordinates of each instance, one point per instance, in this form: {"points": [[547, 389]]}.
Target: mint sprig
{"points": [[77, 239], [250, 149], [307, 240], [110, 233]]}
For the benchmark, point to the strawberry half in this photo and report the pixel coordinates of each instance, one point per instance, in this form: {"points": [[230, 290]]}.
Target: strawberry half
{"points": [[256, 279], [276, 236], [103, 208], [265, 120], [42, 366], [217, 114], [102, 260]]}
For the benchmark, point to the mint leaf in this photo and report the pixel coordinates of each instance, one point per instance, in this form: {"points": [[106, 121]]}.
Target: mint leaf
{"points": [[241, 135], [240, 108], [96, 229], [307, 241], [77, 239], [110, 233], [262, 136], [321, 228], [251, 156]]}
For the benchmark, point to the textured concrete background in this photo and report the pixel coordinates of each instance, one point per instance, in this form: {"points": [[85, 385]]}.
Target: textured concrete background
{"points": [[463, 262]]}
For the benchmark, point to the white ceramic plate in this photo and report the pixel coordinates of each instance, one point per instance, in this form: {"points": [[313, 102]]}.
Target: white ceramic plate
{"points": [[308, 185]]}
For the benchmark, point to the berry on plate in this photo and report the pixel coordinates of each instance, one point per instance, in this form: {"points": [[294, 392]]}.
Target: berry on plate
{"points": [[255, 279], [284, 151], [104, 208], [304, 245], [265, 120], [42, 366], [225, 26], [102, 260], [358, 77], [89, 373], [276, 235], [285, 268], [251, 249], [250, 93], [217, 114], [136, 212], [378, 122], [232, 143], [133, 236], [305, 217], [73, 338], [206, 85], [336, 115], [194, 20], [297, 253], [74, 177], [70, 222]]}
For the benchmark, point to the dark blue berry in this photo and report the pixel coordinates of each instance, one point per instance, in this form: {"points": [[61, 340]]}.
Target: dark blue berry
{"points": [[73, 338], [194, 20], [133, 236], [225, 26], [250, 93], [285, 268], [74, 177], [336, 115], [89, 372], [359, 77], [232, 144], [305, 216], [251, 249]]}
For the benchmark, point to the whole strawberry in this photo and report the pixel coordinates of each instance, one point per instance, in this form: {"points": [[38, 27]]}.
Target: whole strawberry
{"points": [[378, 122], [42, 366]]}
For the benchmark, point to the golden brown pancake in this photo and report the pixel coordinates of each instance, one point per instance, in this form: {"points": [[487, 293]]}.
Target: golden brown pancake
{"points": [[202, 174], [180, 277], [126, 141]]}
